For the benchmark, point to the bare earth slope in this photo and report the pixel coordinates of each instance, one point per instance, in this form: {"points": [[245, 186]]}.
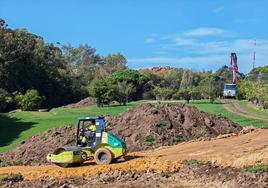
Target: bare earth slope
{"points": [[180, 133], [236, 151]]}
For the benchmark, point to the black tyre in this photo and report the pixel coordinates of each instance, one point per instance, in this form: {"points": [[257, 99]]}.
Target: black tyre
{"points": [[103, 156]]}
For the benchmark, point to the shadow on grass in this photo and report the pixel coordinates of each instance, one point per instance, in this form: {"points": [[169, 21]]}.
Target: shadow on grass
{"points": [[10, 129]]}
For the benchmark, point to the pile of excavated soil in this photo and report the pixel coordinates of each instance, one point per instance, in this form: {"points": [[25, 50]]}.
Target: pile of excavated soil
{"points": [[148, 126], [83, 103], [34, 149], [144, 127], [189, 175]]}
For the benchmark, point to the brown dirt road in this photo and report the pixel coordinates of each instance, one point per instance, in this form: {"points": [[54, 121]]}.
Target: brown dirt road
{"points": [[234, 107], [236, 151]]}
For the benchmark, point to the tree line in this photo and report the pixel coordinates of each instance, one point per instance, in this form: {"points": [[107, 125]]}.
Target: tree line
{"points": [[35, 74], [55, 74], [254, 87]]}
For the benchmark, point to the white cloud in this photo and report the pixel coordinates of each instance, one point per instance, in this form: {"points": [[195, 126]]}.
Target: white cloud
{"points": [[189, 51], [208, 55], [184, 42], [198, 63], [194, 63], [149, 40], [204, 31]]}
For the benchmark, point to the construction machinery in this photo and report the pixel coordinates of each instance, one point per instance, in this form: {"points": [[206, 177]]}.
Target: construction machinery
{"points": [[104, 147], [229, 90]]}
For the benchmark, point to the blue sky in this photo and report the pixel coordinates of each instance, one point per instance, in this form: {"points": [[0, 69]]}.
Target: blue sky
{"points": [[194, 34]]}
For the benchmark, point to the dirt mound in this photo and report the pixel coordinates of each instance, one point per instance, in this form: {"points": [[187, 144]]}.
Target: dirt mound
{"points": [[145, 127], [83, 103], [150, 126], [33, 150], [189, 175]]}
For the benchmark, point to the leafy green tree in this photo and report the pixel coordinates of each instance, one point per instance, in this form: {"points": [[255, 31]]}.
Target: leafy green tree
{"points": [[161, 93], [132, 77], [98, 89], [259, 74], [184, 93], [111, 64], [83, 62], [195, 93], [123, 91], [115, 59], [255, 91], [242, 89], [208, 88], [187, 79], [31, 100], [261, 90], [5, 99]]}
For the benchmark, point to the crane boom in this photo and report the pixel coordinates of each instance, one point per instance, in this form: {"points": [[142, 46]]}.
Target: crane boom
{"points": [[233, 62]]}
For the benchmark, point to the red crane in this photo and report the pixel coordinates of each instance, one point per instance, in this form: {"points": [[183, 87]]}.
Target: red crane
{"points": [[233, 62], [230, 89]]}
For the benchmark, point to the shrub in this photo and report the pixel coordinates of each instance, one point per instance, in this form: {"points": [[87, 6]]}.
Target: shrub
{"points": [[31, 100], [193, 161], [164, 123], [2, 163], [12, 177], [153, 110], [178, 138], [149, 138], [5, 99], [17, 162], [255, 169]]}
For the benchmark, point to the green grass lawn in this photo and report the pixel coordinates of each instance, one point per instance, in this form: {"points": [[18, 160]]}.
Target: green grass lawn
{"points": [[216, 108], [250, 108], [17, 126]]}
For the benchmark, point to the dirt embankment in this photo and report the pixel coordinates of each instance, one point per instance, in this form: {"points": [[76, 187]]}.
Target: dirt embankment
{"points": [[82, 103], [188, 175], [247, 149], [163, 167], [236, 151], [144, 127], [149, 126]]}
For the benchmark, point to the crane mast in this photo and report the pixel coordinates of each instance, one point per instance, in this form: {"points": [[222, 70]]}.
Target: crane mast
{"points": [[233, 63]]}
